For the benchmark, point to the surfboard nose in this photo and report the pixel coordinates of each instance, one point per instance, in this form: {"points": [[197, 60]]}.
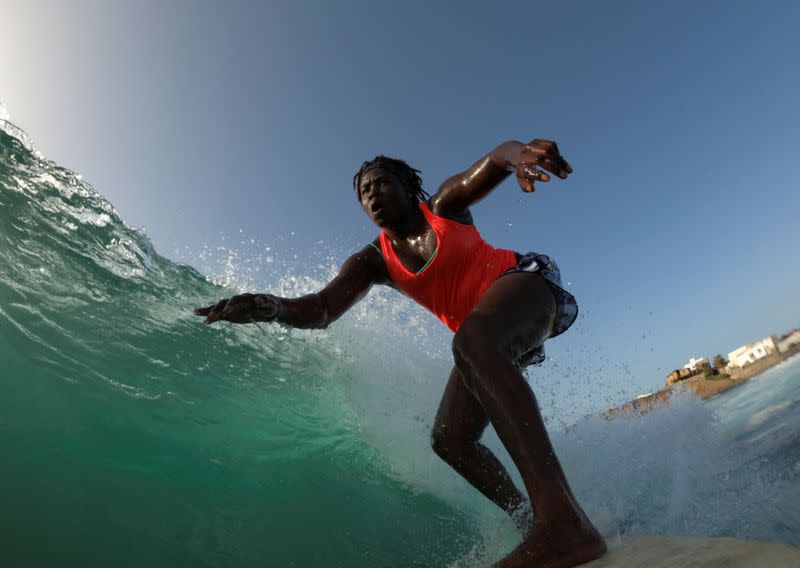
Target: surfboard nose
{"points": [[697, 552]]}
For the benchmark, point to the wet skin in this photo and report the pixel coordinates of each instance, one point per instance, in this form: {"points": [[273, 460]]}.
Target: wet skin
{"points": [[486, 384]]}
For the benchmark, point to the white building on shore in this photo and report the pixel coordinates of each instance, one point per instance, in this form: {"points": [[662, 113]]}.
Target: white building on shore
{"points": [[696, 364], [792, 339], [752, 352]]}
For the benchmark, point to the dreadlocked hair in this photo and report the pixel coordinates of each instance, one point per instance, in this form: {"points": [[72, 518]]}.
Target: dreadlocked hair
{"points": [[409, 176]]}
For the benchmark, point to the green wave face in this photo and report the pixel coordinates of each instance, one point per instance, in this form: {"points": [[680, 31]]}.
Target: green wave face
{"points": [[133, 435]]}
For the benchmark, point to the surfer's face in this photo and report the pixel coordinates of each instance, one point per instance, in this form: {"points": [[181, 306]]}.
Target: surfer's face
{"points": [[383, 197]]}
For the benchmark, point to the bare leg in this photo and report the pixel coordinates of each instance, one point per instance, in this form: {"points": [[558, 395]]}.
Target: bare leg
{"points": [[459, 424], [516, 313]]}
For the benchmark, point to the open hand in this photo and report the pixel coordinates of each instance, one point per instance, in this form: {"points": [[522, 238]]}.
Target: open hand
{"points": [[244, 308], [538, 154]]}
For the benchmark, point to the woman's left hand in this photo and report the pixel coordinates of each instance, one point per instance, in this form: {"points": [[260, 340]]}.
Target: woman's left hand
{"points": [[526, 158], [244, 308]]}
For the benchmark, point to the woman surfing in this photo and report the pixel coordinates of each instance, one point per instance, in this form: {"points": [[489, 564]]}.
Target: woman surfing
{"points": [[501, 306]]}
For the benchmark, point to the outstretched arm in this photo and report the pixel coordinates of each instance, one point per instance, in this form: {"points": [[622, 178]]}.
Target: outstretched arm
{"points": [[460, 191], [358, 274]]}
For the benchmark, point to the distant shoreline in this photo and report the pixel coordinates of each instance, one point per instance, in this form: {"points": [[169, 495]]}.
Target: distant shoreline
{"points": [[701, 386]]}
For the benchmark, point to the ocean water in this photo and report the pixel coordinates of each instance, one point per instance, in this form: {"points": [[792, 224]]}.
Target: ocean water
{"points": [[131, 435]]}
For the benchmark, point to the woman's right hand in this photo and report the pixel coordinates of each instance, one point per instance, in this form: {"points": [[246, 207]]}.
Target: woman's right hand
{"points": [[525, 159], [244, 308]]}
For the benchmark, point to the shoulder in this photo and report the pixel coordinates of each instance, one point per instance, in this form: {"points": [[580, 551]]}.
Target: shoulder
{"points": [[438, 207], [370, 261]]}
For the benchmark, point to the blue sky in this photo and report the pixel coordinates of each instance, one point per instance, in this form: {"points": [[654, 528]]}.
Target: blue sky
{"points": [[678, 230]]}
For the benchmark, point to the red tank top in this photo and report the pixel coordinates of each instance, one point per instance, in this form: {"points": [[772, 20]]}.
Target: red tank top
{"points": [[463, 268]]}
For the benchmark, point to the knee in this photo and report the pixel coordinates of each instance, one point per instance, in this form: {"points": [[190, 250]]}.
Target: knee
{"points": [[448, 447], [439, 443]]}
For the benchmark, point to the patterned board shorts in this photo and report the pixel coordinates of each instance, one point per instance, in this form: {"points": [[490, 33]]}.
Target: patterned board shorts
{"points": [[566, 306]]}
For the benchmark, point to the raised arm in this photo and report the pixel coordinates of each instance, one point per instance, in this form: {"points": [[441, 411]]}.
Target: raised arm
{"points": [[460, 191], [358, 274]]}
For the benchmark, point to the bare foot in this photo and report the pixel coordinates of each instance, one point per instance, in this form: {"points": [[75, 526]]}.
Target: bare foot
{"points": [[547, 547]]}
